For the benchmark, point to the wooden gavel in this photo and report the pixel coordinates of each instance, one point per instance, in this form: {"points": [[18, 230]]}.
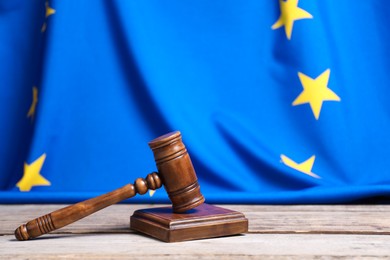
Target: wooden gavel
{"points": [[175, 171]]}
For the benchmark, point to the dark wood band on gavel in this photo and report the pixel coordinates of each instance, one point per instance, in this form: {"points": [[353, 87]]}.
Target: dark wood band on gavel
{"points": [[175, 170]]}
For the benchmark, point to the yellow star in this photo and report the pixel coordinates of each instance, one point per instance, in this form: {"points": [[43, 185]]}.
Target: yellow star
{"points": [[151, 192], [32, 176], [31, 111], [49, 10], [315, 92], [304, 167], [289, 13]]}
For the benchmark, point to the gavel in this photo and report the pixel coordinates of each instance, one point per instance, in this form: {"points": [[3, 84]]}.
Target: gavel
{"points": [[175, 171]]}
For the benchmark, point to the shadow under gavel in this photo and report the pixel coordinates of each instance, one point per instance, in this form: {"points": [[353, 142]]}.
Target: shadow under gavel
{"points": [[175, 171]]}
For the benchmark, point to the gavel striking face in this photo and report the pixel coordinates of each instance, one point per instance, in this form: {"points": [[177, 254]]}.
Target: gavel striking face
{"points": [[174, 168]]}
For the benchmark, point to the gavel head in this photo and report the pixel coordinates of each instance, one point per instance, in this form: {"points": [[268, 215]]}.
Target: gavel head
{"points": [[176, 172]]}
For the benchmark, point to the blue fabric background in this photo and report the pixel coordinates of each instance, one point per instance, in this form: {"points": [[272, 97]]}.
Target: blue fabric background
{"points": [[113, 75]]}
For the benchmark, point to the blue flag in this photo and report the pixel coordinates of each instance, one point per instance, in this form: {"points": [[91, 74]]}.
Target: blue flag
{"points": [[277, 101]]}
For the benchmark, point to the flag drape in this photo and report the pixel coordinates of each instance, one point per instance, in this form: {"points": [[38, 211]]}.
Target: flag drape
{"points": [[277, 101]]}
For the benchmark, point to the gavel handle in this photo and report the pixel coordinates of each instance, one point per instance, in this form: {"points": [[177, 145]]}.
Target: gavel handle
{"points": [[65, 216]]}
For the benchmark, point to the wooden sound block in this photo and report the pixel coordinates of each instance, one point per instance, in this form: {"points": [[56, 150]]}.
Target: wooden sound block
{"points": [[204, 221]]}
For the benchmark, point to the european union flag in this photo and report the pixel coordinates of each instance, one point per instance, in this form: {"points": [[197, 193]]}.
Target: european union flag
{"points": [[277, 101]]}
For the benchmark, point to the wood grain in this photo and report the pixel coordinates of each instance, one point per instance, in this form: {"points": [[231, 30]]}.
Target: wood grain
{"points": [[329, 219], [325, 219], [250, 246], [205, 221], [275, 232]]}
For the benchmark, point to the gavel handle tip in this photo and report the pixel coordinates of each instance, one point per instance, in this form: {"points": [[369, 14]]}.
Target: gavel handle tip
{"points": [[21, 233]]}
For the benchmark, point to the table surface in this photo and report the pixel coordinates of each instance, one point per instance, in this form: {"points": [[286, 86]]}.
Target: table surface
{"points": [[275, 232]]}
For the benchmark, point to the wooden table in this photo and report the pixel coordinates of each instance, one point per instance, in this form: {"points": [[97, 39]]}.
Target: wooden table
{"points": [[275, 232]]}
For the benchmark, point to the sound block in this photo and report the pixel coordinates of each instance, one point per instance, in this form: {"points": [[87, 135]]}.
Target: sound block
{"points": [[204, 221]]}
